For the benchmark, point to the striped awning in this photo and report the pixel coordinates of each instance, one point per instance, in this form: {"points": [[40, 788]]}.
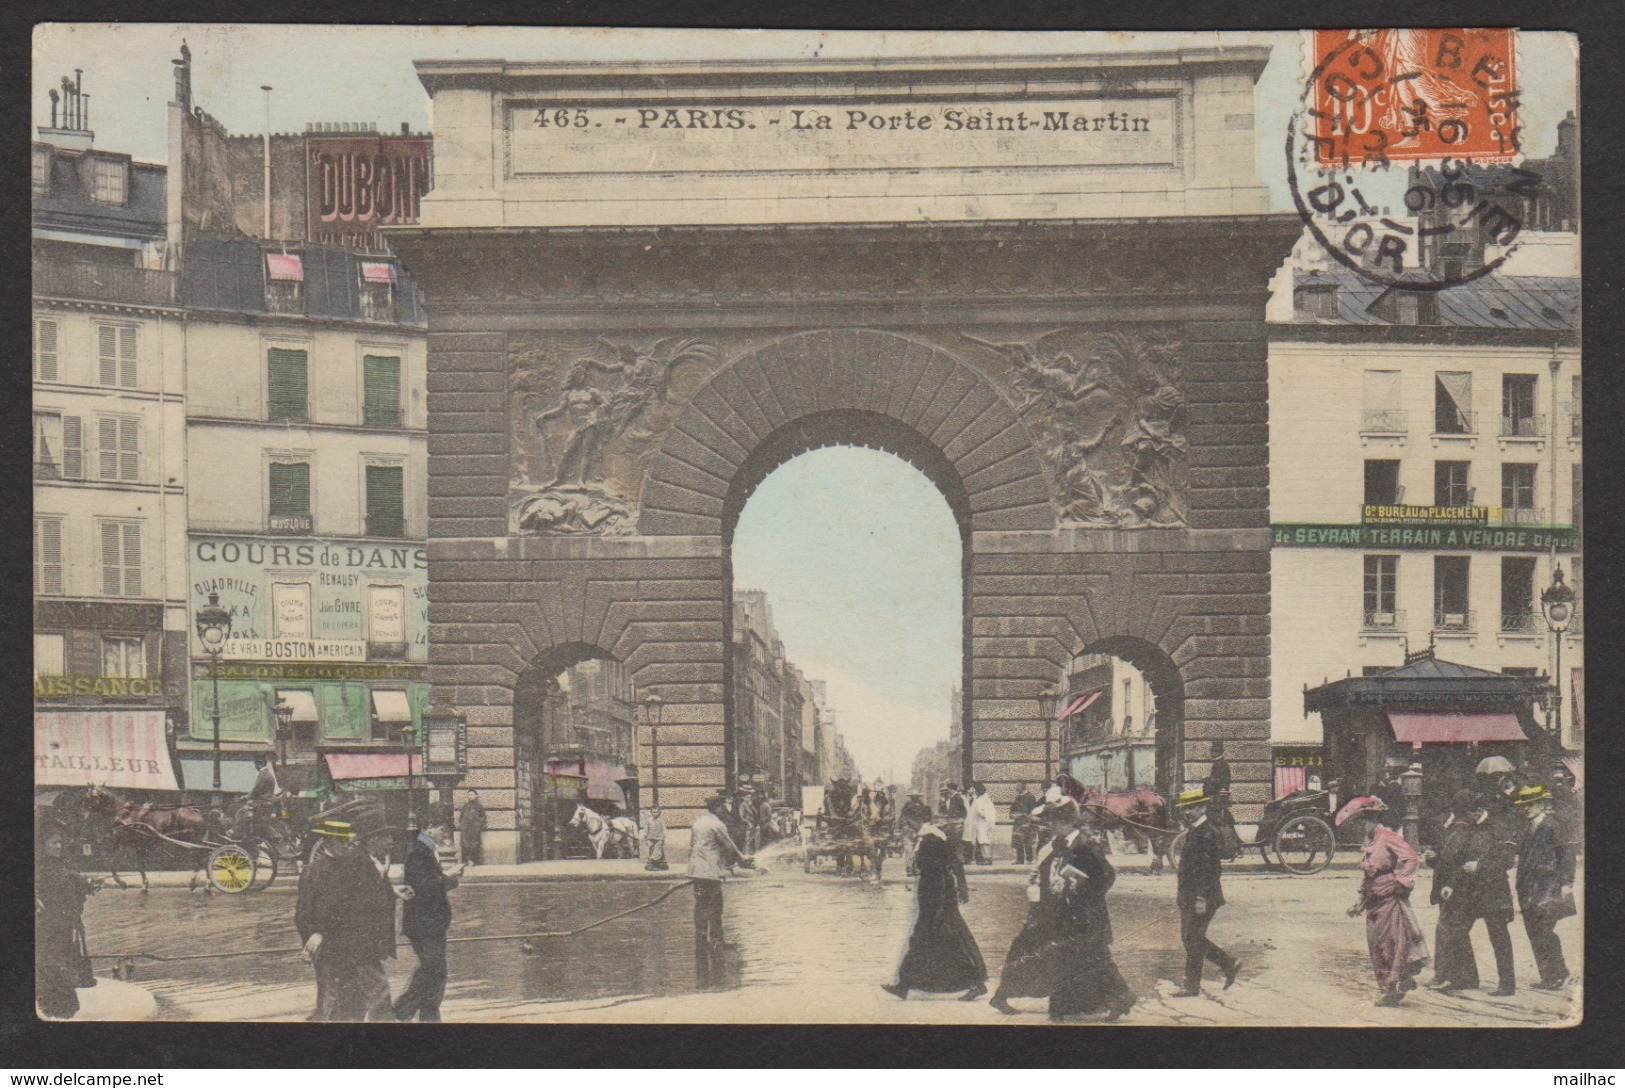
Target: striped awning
{"points": [[1080, 703], [1445, 728], [285, 266], [377, 272]]}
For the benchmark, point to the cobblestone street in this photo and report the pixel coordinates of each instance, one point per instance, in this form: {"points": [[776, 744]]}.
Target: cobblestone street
{"points": [[803, 949]]}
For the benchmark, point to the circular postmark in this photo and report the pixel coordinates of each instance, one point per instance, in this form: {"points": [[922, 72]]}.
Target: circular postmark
{"points": [[1444, 101]]}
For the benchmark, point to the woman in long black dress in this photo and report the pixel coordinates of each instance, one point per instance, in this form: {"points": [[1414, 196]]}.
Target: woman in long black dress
{"points": [[941, 956], [1086, 978]]}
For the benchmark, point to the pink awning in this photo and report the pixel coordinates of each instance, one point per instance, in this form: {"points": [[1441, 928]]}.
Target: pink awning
{"points": [[344, 766], [284, 266], [604, 782], [123, 749], [1082, 702], [1416, 728], [377, 272]]}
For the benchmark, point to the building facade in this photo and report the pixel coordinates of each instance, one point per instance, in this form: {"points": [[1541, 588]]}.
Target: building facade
{"points": [[1108, 726]]}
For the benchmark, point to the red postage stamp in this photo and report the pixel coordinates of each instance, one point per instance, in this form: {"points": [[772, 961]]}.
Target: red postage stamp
{"points": [[1430, 93]]}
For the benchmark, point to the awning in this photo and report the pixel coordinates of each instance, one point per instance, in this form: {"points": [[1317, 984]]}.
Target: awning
{"points": [[604, 782], [347, 766], [236, 774], [1082, 702], [114, 748], [284, 266], [303, 703], [1444, 728], [391, 706], [377, 272]]}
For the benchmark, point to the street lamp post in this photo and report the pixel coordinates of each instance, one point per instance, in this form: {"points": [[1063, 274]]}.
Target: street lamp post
{"points": [[649, 711], [1557, 605], [1105, 757], [410, 743], [213, 629], [1046, 706]]}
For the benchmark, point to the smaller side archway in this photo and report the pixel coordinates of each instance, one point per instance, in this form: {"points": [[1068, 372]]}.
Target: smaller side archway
{"points": [[1165, 725], [575, 742]]}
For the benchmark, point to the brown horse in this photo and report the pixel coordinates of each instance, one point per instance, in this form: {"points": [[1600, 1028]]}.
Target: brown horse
{"points": [[1141, 814], [143, 828]]}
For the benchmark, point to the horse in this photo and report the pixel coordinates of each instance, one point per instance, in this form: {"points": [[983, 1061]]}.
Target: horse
{"points": [[142, 828], [602, 830], [1138, 813]]}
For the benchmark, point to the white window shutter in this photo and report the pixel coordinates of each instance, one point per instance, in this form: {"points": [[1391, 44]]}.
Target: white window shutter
{"points": [[129, 450], [112, 582], [127, 371], [107, 354], [106, 448], [48, 556], [45, 366], [132, 559], [73, 448]]}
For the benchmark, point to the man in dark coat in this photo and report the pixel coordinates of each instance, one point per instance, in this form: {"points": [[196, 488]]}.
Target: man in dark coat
{"points": [[1545, 884], [1450, 969], [61, 962], [472, 824], [424, 921], [1023, 827], [954, 811], [346, 919], [916, 813], [942, 955], [1200, 893], [1475, 886]]}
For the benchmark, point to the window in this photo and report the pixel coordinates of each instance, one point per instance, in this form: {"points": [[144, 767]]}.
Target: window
{"points": [[109, 180], [1574, 408], [118, 449], [1453, 403], [50, 654], [1427, 308], [287, 386], [1518, 418], [377, 291], [123, 656], [288, 490], [381, 394], [1316, 302], [116, 355], [1453, 258], [1450, 483], [386, 620], [284, 283], [385, 505], [390, 711], [1450, 599], [1381, 590], [1382, 483], [1517, 593], [1382, 413], [48, 557], [45, 336], [41, 174], [1520, 670], [305, 716], [121, 558], [290, 610], [1517, 491], [47, 446]]}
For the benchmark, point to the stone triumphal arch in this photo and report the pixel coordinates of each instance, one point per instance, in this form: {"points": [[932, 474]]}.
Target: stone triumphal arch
{"points": [[650, 286]]}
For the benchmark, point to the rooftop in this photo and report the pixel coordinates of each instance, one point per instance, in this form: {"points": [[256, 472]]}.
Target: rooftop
{"points": [[1545, 303]]}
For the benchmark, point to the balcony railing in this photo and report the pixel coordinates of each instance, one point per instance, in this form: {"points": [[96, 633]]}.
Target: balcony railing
{"points": [[1521, 621], [1456, 423], [1523, 426], [103, 282], [1384, 421], [1522, 515], [374, 308], [383, 415], [1455, 621], [283, 297], [1392, 620], [47, 470]]}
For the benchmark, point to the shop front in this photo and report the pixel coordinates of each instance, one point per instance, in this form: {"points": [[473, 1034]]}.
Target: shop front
{"points": [[1298, 767]]}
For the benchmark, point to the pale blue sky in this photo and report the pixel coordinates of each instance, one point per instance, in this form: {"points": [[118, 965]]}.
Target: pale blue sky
{"points": [[860, 557]]}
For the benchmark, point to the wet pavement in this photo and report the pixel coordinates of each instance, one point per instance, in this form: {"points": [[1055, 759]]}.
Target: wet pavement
{"points": [[801, 948]]}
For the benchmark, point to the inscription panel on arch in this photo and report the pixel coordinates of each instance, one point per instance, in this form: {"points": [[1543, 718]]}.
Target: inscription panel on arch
{"points": [[564, 137]]}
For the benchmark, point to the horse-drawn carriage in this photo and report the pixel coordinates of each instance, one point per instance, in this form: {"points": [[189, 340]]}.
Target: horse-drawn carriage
{"points": [[853, 843], [1297, 828]]}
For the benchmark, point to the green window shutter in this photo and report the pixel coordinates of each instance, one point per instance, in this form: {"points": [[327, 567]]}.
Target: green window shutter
{"points": [[290, 489], [381, 376], [289, 396], [385, 500]]}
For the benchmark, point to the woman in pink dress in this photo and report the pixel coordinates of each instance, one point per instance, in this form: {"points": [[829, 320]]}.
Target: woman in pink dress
{"points": [[1392, 933]]}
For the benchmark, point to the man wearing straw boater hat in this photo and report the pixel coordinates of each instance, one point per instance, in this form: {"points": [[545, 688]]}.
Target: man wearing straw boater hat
{"points": [[1545, 884], [346, 918], [1200, 893]]}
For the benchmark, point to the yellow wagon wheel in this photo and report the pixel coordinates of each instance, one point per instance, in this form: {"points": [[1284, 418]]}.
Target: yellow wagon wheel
{"points": [[230, 869]]}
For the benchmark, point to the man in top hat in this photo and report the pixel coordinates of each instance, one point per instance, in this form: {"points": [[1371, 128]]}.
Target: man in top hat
{"points": [[1200, 893], [1472, 884], [915, 814], [471, 822], [425, 920], [1023, 826], [1545, 884], [952, 812], [712, 853], [346, 918]]}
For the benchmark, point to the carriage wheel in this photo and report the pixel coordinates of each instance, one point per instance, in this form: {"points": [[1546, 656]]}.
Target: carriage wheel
{"points": [[1176, 848], [265, 862], [230, 869], [1305, 844]]}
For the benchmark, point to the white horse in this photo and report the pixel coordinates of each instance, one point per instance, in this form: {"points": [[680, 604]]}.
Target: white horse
{"points": [[602, 831]]}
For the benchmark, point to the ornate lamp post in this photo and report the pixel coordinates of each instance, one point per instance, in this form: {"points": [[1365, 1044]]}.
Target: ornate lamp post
{"points": [[1105, 757], [213, 629], [1557, 605], [282, 711], [649, 715], [409, 742], [1046, 706]]}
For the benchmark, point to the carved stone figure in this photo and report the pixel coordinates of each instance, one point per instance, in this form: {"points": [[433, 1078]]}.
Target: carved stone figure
{"points": [[1113, 425]]}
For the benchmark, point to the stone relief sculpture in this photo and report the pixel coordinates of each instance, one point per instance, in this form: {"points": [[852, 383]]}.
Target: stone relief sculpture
{"points": [[1108, 408], [565, 481]]}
